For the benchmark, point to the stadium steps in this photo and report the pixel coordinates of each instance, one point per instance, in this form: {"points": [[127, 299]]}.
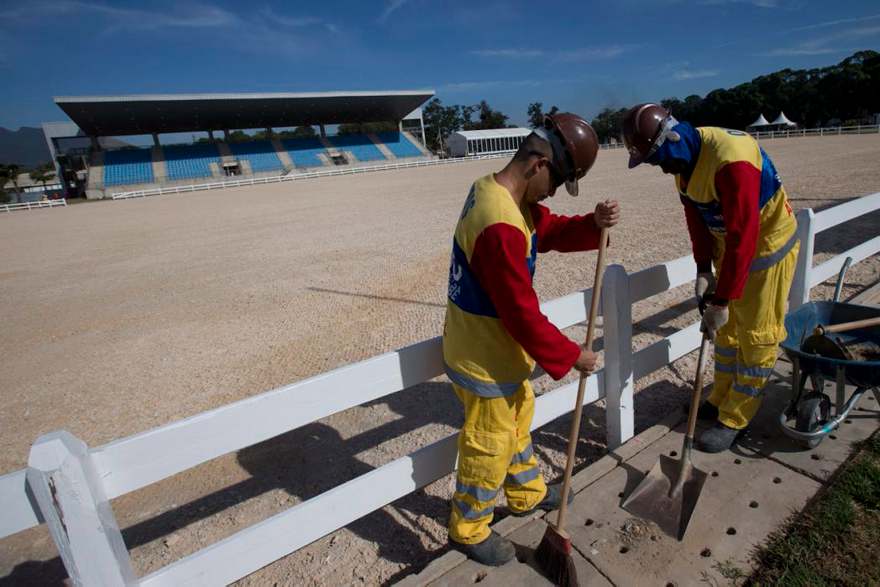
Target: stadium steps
{"points": [[381, 146], [416, 143], [226, 156], [283, 155], [331, 148], [225, 152], [160, 170]]}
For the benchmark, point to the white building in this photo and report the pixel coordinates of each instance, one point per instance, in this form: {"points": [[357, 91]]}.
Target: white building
{"points": [[480, 142]]}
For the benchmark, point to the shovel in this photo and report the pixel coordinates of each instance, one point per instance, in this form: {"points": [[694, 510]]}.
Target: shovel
{"points": [[669, 493], [822, 344]]}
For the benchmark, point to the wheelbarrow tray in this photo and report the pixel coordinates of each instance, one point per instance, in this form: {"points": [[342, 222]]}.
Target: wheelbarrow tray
{"points": [[801, 323]]}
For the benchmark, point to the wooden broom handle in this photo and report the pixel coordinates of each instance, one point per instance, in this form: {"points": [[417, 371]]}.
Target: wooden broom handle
{"points": [[844, 326], [582, 383]]}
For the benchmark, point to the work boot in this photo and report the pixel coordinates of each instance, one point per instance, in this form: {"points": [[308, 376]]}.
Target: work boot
{"points": [[494, 551], [707, 411], [718, 438], [552, 500]]}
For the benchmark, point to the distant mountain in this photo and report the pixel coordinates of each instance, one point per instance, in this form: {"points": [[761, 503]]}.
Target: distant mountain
{"points": [[25, 146]]}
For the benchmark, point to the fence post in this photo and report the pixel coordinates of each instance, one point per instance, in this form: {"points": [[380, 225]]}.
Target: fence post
{"points": [[800, 285], [67, 488], [617, 336]]}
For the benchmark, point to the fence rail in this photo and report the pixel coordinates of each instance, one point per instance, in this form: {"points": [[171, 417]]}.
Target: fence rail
{"points": [[295, 176], [33, 205], [861, 129], [69, 486]]}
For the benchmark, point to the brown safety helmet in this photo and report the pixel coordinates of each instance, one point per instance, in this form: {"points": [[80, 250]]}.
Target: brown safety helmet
{"points": [[575, 146], [645, 129]]}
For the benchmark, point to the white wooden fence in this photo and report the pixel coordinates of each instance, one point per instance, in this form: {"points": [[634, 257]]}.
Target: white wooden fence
{"points": [[862, 129], [33, 205], [69, 485]]}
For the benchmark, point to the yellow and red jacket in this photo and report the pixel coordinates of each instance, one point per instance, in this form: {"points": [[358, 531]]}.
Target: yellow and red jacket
{"points": [[736, 208], [494, 330]]}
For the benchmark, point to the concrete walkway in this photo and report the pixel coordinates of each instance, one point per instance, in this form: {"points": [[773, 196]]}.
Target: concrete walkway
{"points": [[751, 490]]}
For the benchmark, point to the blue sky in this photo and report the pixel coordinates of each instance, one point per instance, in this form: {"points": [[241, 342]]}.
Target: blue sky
{"points": [[581, 56]]}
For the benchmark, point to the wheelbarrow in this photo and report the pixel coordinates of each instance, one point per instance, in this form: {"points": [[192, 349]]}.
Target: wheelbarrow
{"points": [[854, 359]]}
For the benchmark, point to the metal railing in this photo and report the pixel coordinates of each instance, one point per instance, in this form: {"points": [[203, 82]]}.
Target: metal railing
{"points": [[295, 176], [861, 129], [33, 205]]}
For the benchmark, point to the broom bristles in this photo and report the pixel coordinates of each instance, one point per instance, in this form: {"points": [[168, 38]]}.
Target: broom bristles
{"points": [[553, 556]]}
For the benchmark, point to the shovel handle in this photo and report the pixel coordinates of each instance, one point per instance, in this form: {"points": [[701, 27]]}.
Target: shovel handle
{"points": [[698, 389], [582, 383], [844, 326]]}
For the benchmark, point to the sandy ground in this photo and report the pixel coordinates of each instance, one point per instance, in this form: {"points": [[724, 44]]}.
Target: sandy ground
{"points": [[123, 316]]}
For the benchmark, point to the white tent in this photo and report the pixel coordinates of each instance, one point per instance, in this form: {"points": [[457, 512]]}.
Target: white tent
{"points": [[782, 120], [477, 142], [761, 121]]}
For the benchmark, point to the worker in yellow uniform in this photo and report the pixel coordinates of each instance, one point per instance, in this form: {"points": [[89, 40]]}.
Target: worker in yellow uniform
{"points": [[495, 332], [739, 219]]}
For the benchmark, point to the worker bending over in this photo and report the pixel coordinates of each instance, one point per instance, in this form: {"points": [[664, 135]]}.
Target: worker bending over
{"points": [[495, 332]]}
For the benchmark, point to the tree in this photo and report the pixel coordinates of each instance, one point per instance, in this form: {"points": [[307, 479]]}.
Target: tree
{"points": [[304, 131], [42, 174], [536, 114], [607, 124], [10, 174], [441, 121], [238, 136], [362, 128], [488, 118]]}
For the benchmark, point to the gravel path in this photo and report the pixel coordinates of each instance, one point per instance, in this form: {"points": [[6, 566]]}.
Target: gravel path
{"points": [[123, 316]]}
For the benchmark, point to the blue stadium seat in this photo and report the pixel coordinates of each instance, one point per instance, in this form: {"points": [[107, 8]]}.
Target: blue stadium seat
{"points": [[128, 166], [398, 144], [190, 161], [304, 152], [260, 154], [360, 146]]}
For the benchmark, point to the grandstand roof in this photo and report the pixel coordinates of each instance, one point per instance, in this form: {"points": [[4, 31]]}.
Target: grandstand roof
{"points": [[165, 113], [495, 133]]}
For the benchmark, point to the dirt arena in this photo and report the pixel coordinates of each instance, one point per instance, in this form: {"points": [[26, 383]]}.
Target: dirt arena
{"points": [[122, 316]]}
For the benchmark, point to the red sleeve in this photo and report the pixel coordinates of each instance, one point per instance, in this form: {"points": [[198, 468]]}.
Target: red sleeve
{"points": [[499, 263], [701, 240], [565, 234], [738, 186]]}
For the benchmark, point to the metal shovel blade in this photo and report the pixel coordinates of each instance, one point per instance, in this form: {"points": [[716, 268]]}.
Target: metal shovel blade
{"points": [[657, 499]]}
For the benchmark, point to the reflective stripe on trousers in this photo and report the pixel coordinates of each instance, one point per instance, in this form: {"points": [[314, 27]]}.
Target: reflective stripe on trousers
{"points": [[746, 347], [494, 452]]}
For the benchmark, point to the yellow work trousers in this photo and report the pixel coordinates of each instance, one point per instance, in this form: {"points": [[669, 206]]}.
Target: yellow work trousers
{"points": [[494, 451], [746, 347]]}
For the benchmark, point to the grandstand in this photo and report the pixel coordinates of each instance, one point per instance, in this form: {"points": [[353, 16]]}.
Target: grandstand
{"points": [[190, 161], [82, 156], [128, 166]]}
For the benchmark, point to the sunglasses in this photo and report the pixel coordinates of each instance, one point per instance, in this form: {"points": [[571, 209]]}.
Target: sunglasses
{"points": [[555, 176]]}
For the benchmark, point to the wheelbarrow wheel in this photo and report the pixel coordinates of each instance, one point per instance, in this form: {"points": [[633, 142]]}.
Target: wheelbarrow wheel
{"points": [[812, 411]]}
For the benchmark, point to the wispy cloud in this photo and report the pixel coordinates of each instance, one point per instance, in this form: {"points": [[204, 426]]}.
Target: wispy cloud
{"points": [[758, 3], [840, 42], [593, 53], [684, 74], [830, 23], [564, 55], [290, 21], [390, 7], [489, 84], [509, 53], [258, 31], [182, 15]]}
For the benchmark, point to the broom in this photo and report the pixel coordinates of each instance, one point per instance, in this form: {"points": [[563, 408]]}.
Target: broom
{"points": [[554, 553]]}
